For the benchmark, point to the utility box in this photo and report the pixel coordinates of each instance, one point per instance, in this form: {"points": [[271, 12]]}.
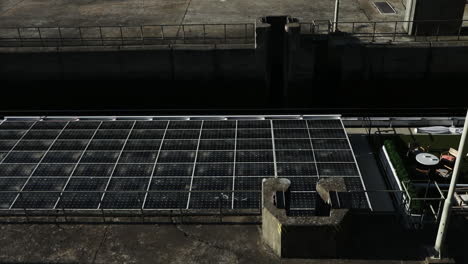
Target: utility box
{"points": [[434, 17]]}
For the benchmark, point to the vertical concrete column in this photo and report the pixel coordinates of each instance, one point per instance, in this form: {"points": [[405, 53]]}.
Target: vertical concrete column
{"points": [[276, 54], [307, 236], [293, 31], [272, 216], [434, 17], [409, 16], [262, 31]]}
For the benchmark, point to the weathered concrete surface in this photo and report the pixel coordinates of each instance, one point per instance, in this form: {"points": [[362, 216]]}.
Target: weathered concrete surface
{"points": [[143, 244], [137, 12], [304, 237], [327, 185], [131, 244], [86, 13]]}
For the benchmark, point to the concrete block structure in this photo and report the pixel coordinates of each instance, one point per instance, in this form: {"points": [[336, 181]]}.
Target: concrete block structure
{"points": [[304, 237]]}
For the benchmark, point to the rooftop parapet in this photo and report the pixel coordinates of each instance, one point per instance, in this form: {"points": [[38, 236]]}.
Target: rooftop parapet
{"points": [[317, 236]]}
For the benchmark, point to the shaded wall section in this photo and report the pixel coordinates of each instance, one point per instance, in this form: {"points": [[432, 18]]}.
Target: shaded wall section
{"points": [[333, 58], [181, 77], [377, 74], [320, 72], [164, 63]]}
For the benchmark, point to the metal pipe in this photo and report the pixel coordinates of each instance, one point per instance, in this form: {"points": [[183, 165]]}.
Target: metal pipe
{"points": [[81, 36], [121, 36], [445, 218], [100, 34], [440, 184], [40, 36], [162, 33], [142, 39], [335, 18], [204, 34], [19, 35], [183, 31], [245, 33], [60, 36], [373, 32]]}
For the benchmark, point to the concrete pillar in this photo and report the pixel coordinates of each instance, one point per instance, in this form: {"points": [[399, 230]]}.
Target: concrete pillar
{"points": [[276, 57], [262, 31], [293, 31], [432, 17], [282, 34], [304, 237]]}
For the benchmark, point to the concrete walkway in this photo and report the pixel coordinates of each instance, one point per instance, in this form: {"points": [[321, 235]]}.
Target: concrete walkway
{"points": [[373, 178]]}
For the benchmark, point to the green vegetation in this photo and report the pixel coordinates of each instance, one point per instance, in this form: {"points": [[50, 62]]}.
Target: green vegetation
{"points": [[402, 173], [436, 144]]}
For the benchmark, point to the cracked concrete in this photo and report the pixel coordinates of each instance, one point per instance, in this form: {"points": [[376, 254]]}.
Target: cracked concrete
{"points": [[49, 243], [131, 244], [218, 246]]}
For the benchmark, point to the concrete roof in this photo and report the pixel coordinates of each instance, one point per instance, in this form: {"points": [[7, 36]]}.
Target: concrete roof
{"points": [[28, 243], [137, 12]]}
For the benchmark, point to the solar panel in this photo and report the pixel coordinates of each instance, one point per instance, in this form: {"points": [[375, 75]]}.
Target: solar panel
{"points": [[170, 164]]}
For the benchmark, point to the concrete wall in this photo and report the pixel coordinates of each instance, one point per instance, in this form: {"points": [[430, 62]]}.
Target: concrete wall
{"points": [[311, 59], [316, 67], [335, 59], [203, 63], [332, 72], [182, 77]]}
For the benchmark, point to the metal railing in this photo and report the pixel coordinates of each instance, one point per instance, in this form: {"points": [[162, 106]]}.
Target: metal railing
{"points": [[243, 33], [131, 205], [236, 33], [429, 206], [424, 30], [462, 205], [416, 209], [77, 206], [222, 211]]}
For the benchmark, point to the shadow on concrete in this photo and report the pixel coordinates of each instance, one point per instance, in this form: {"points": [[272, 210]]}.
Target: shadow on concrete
{"points": [[341, 70], [382, 237]]}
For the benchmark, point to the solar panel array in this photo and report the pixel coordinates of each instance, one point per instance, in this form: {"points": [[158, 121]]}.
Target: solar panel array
{"points": [[169, 164]]}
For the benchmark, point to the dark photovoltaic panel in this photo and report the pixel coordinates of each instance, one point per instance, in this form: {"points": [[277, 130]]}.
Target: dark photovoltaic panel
{"points": [[170, 164]]}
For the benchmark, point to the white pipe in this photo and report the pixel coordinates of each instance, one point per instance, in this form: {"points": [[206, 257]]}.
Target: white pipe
{"points": [[439, 130], [335, 19], [445, 218], [432, 185]]}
